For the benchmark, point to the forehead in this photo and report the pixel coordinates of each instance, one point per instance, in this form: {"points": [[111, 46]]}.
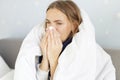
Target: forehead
{"points": [[55, 14]]}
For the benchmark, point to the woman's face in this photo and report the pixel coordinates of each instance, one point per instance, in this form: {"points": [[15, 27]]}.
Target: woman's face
{"points": [[60, 22]]}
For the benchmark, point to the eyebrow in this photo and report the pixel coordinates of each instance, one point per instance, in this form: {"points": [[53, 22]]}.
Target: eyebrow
{"points": [[54, 21]]}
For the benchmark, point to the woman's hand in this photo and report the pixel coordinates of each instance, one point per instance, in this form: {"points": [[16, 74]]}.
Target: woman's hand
{"points": [[54, 49], [43, 45], [54, 46], [51, 47]]}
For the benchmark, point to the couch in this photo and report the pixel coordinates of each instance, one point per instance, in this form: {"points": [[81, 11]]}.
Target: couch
{"points": [[9, 49]]}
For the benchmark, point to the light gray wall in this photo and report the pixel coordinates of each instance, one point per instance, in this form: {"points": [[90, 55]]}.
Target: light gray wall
{"points": [[17, 17]]}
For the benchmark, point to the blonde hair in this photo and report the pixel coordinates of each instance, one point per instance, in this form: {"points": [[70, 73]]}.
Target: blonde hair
{"points": [[71, 10]]}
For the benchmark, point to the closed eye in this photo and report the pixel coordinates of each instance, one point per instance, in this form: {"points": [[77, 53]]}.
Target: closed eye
{"points": [[59, 23]]}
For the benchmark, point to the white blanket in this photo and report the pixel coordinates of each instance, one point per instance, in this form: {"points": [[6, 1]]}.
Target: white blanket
{"points": [[82, 59]]}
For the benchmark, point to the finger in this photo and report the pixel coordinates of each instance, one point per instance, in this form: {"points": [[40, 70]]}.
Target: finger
{"points": [[56, 36], [45, 39], [43, 43], [59, 42], [45, 36], [49, 39], [52, 38]]}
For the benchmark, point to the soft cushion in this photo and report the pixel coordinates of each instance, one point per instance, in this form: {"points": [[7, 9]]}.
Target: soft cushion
{"points": [[4, 69], [8, 76]]}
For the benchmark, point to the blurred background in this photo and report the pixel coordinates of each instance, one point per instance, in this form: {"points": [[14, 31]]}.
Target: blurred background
{"points": [[17, 17]]}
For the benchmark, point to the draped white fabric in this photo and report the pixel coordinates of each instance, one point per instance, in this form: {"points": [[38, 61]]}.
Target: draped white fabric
{"points": [[82, 59]]}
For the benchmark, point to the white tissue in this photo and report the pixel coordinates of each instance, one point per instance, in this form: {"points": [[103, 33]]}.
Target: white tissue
{"points": [[51, 28]]}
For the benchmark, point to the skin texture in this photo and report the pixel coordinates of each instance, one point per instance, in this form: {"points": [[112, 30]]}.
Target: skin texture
{"points": [[51, 43]]}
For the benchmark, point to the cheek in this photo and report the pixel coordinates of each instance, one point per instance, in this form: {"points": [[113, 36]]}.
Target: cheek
{"points": [[60, 31], [64, 32]]}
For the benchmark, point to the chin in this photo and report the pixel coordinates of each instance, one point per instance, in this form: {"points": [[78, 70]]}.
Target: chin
{"points": [[63, 40]]}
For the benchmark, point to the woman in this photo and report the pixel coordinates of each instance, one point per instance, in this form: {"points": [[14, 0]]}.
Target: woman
{"points": [[63, 49]]}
